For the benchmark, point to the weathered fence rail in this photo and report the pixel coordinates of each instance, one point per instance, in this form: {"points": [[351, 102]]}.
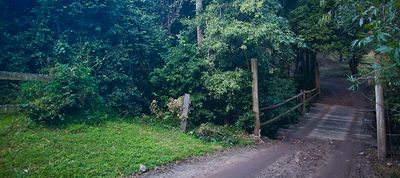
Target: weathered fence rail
{"points": [[9, 108], [21, 77], [24, 76], [282, 103], [305, 96]]}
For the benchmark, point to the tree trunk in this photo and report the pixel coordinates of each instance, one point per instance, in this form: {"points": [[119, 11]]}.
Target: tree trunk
{"points": [[199, 8]]}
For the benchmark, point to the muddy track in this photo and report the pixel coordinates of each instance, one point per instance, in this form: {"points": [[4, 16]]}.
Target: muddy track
{"points": [[327, 143]]}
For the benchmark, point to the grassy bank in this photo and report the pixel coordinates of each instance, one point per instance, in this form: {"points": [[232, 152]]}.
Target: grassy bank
{"points": [[109, 150]]}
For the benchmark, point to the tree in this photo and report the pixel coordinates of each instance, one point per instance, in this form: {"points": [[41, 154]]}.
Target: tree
{"points": [[170, 11]]}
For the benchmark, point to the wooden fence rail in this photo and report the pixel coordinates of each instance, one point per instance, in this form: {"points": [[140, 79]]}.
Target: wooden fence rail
{"points": [[10, 108], [282, 103], [24, 76], [304, 99]]}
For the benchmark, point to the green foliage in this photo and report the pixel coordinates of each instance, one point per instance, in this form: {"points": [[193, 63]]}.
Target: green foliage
{"points": [[279, 89], [381, 34], [112, 149], [239, 30], [9, 92], [319, 34], [214, 94], [119, 40], [231, 88], [392, 96], [182, 73], [225, 84], [170, 116], [382, 26], [220, 82], [227, 135], [378, 34], [112, 56], [72, 95]]}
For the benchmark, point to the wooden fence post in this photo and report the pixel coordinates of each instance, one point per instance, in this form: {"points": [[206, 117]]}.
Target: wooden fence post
{"points": [[256, 108], [303, 100], [199, 8], [185, 112], [380, 113]]}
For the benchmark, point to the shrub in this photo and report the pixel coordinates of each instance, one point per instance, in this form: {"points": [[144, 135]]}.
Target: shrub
{"points": [[278, 89], [126, 99], [182, 73], [231, 92], [215, 133], [71, 96], [246, 121], [9, 92], [169, 116]]}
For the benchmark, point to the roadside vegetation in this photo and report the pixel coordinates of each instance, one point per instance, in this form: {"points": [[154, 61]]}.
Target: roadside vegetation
{"points": [[111, 149], [136, 59]]}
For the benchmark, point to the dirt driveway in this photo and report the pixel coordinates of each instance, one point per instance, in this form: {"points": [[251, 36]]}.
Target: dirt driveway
{"points": [[329, 142]]}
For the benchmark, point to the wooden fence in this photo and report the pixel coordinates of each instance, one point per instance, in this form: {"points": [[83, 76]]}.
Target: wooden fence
{"points": [[24, 76], [305, 97], [9, 108], [21, 77]]}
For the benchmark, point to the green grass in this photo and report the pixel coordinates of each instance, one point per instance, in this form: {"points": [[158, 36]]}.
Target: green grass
{"points": [[113, 149]]}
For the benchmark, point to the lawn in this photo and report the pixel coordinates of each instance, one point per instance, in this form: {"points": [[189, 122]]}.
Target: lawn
{"points": [[113, 149]]}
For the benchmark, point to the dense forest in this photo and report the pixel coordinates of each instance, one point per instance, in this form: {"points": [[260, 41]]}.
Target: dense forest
{"points": [[130, 58]]}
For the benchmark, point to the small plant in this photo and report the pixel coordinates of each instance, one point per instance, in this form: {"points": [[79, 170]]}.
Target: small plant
{"points": [[227, 135], [175, 107], [171, 115]]}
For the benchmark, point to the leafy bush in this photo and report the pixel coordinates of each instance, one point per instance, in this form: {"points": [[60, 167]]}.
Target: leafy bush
{"points": [[215, 133], [182, 73], [9, 92], [120, 40], [216, 96], [231, 93], [126, 99], [170, 116], [278, 89], [246, 121], [71, 96]]}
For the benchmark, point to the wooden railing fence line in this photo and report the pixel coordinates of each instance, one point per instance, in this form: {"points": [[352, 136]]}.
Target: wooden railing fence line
{"points": [[304, 100], [4, 75], [24, 76]]}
